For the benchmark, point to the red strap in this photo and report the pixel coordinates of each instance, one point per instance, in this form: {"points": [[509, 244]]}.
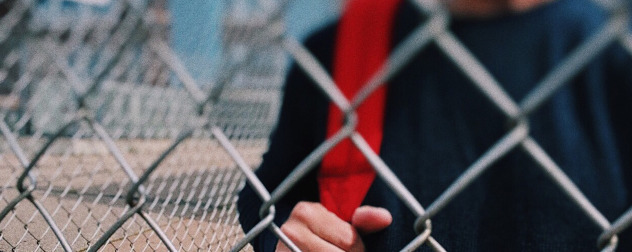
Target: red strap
{"points": [[362, 47]]}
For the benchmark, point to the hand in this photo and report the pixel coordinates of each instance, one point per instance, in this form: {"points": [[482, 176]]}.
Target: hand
{"points": [[313, 228]]}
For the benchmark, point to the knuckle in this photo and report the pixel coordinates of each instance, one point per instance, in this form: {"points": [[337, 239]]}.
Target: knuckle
{"points": [[290, 230], [303, 210], [348, 238]]}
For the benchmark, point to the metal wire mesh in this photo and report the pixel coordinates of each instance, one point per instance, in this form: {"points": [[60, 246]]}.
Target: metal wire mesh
{"points": [[109, 143], [95, 102]]}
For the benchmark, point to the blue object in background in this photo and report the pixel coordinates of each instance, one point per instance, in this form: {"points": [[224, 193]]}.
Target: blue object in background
{"points": [[196, 35], [197, 27], [304, 16]]}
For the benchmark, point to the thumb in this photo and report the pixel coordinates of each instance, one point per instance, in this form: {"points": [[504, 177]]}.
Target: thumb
{"points": [[368, 219]]}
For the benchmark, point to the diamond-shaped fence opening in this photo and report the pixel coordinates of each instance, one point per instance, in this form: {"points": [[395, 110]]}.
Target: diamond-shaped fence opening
{"points": [[74, 186], [435, 30], [116, 135], [109, 180]]}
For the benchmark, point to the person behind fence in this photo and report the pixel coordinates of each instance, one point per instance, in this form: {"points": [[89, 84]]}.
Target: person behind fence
{"points": [[430, 122]]}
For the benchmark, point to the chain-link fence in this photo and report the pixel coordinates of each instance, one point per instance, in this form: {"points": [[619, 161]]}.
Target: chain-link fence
{"points": [[109, 143]]}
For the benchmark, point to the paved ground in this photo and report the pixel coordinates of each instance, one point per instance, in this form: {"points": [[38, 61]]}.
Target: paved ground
{"points": [[191, 195]]}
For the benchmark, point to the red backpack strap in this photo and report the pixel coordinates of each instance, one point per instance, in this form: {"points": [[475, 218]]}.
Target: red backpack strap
{"points": [[362, 47]]}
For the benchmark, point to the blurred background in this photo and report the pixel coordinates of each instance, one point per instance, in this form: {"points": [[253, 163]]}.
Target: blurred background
{"points": [[113, 110], [205, 36]]}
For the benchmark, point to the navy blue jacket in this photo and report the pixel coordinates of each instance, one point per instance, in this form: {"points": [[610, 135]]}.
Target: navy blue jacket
{"points": [[437, 124]]}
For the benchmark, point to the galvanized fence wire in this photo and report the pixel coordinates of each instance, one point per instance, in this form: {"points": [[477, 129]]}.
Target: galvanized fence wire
{"points": [[114, 175], [87, 167], [435, 30]]}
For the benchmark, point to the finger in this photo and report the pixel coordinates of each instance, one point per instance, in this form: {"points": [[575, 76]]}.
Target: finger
{"points": [[304, 238], [327, 226], [280, 247], [368, 219]]}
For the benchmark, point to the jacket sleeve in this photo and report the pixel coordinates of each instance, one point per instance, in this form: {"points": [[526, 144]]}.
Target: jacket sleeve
{"points": [[300, 129]]}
